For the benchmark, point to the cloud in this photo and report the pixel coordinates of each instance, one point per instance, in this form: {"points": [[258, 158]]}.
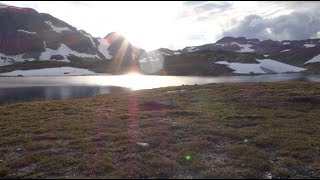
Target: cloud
{"points": [[294, 26], [300, 5], [203, 18], [217, 6], [195, 10], [197, 37], [192, 3]]}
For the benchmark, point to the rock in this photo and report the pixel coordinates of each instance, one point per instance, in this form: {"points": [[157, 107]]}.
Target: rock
{"points": [[245, 140], [175, 125], [143, 144], [269, 176], [176, 91], [18, 149]]}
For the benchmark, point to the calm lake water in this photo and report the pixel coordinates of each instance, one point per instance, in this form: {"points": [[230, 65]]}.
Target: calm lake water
{"points": [[20, 89]]}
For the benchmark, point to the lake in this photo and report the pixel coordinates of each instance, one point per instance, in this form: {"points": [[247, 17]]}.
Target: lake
{"points": [[20, 89]]}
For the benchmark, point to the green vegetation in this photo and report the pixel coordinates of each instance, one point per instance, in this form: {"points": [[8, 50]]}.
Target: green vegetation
{"points": [[232, 130], [203, 63]]}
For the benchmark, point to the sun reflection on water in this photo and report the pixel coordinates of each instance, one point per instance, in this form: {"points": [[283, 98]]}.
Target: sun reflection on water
{"points": [[136, 81]]}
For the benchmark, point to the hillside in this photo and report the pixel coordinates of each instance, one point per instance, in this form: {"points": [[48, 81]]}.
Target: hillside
{"points": [[233, 130]]}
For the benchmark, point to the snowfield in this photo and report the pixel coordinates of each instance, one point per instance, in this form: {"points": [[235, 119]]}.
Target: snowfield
{"points": [[244, 47], [57, 29], [11, 59], [192, 49], [64, 51], [61, 71], [314, 59], [166, 54], [218, 44], [265, 66], [285, 50], [309, 45]]}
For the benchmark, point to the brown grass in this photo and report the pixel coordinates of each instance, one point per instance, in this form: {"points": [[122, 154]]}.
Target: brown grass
{"points": [[235, 130]]}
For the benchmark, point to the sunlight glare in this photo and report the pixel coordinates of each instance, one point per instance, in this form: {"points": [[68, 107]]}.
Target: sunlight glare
{"points": [[136, 81], [151, 62]]}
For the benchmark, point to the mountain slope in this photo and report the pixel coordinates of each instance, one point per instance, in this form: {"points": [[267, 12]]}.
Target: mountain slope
{"points": [[32, 40], [28, 36], [242, 54]]}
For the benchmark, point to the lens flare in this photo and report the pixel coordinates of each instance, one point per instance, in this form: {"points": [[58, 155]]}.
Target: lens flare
{"points": [[188, 158], [151, 62]]}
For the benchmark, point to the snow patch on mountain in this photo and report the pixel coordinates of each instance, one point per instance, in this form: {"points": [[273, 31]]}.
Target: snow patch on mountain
{"points": [[285, 50], [64, 51], [218, 44], [254, 42], [314, 59], [244, 47], [24, 31], [103, 48], [60, 71], [192, 49], [265, 66], [242, 68], [166, 54], [57, 29], [3, 5], [279, 67], [147, 59], [309, 45], [11, 59]]}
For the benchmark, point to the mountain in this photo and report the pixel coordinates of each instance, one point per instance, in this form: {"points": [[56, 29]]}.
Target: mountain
{"points": [[27, 38], [33, 40], [234, 56], [125, 55]]}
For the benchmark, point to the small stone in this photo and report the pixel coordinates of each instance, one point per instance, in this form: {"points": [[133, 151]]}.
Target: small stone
{"points": [[245, 140], [269, 176], [175, 125], [143, 144], [176, 91], [19, 149]]}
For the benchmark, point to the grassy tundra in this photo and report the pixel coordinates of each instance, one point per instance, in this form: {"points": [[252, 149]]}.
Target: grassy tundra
{"points": [[233, 130]]}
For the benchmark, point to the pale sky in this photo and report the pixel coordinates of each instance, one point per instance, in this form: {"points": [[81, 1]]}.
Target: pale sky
{"points": [[177, 24]]}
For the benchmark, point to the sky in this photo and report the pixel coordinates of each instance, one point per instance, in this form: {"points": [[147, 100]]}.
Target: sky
{"points": [[178, 24]]}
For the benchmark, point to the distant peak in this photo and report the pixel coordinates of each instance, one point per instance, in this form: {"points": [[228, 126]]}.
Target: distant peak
{"points": [[114, 34], [115, 37], [229, 39]]}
